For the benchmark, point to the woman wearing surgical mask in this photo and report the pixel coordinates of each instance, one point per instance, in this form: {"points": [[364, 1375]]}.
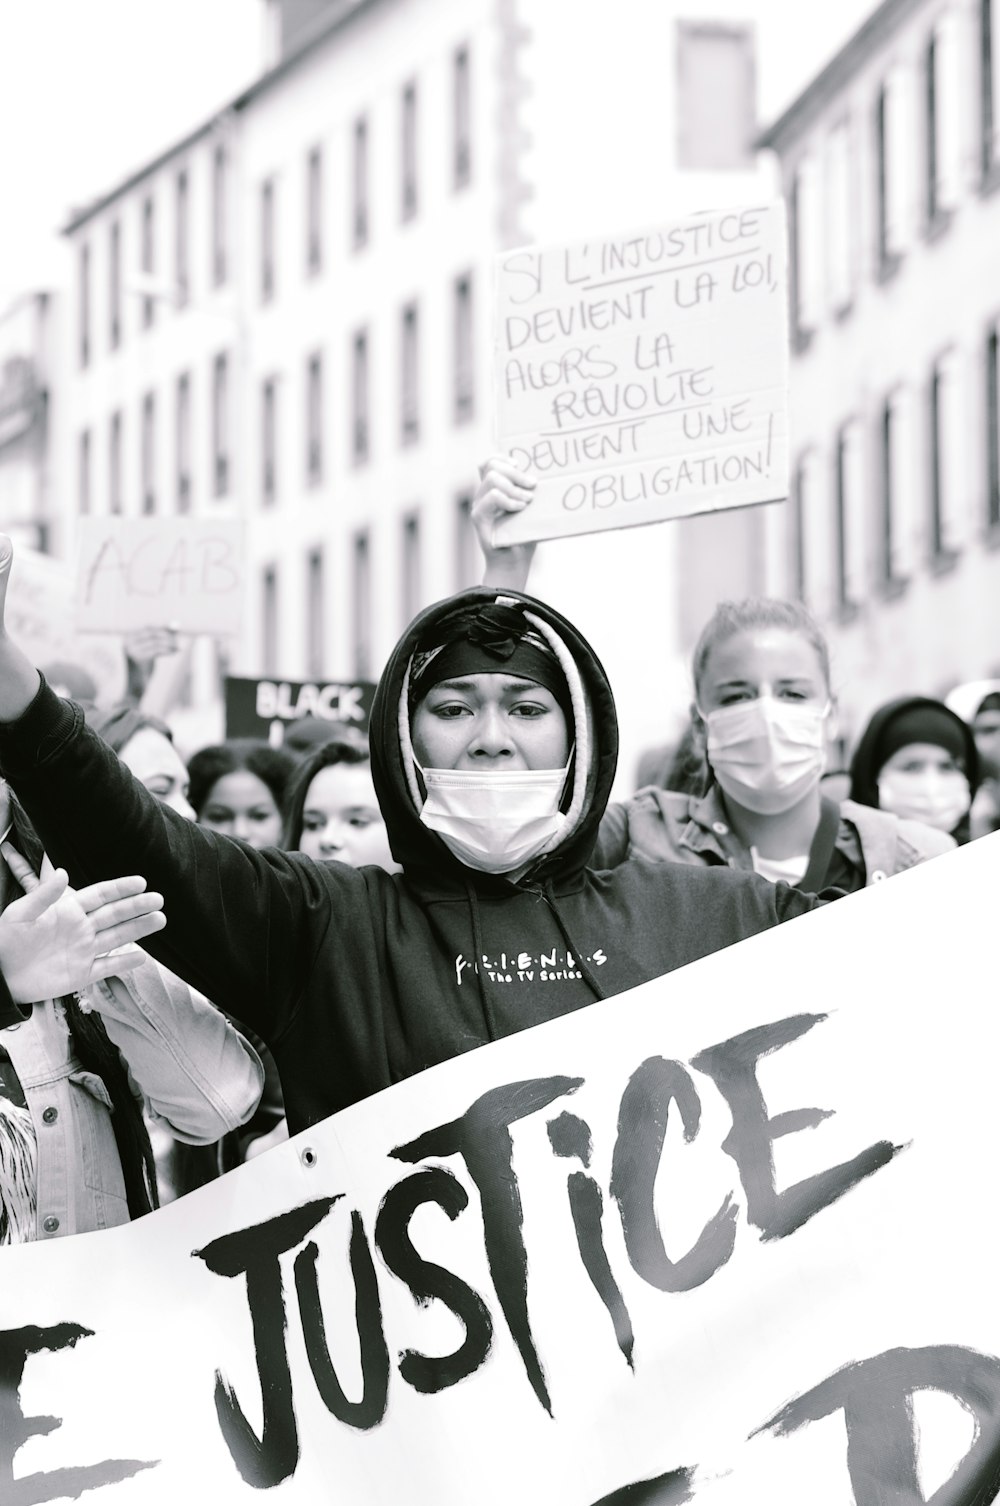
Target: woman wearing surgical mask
{"points": [[763, 711], [917, 759]]}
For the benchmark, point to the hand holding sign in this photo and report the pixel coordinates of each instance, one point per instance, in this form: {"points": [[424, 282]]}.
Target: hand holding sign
{"points": [[502, 490], [56, 940]]}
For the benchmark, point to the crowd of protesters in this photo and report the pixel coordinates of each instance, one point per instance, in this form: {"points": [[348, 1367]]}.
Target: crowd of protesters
{"points": [[330, 905]]}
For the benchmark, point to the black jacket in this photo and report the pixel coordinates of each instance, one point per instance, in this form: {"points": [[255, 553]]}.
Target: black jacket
{"points": [[357, 978]]}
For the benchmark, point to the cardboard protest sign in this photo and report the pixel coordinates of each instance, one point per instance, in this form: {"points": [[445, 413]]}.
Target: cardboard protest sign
{"points": [[137, 572], [264, 708], [728, 1238], [645, 376], [40, 617]]}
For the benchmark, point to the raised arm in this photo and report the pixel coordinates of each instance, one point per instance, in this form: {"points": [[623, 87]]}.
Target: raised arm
{"points": [[242, 926], [502, 489]]}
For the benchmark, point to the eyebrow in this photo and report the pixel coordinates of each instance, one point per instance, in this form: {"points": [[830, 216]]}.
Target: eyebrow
{"points": [[781, 680], [516, 688]]}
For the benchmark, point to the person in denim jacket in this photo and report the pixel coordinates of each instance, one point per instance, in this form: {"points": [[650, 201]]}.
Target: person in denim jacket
{"points": [[86, 1041]]}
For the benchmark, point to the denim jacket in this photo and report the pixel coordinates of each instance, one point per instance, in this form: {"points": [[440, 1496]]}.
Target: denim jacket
{"points": [[666, 826], [186, 1064]]}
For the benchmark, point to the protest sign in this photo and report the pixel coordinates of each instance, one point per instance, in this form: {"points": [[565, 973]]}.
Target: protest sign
{"points": [[263, 708], [728, 1238], [137, 572], [40, 616], [645, 376]]}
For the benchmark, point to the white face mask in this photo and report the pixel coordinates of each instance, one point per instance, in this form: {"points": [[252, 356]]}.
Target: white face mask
{"points": [[767, 754], [495, 821], [937, 797]]}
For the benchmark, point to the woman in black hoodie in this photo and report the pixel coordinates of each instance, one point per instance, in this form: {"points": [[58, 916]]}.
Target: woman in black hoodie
{"points": [[357, 978]]}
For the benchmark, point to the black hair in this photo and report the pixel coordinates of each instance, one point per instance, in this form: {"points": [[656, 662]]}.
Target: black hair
{"points": [[325, 755], [97, 1053], [273, 766]]}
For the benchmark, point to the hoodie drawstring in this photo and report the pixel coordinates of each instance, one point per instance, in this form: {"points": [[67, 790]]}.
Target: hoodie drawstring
{"points": [[477, 942], [575, 951]]}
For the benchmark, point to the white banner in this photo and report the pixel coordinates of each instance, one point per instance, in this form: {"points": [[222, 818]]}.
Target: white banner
{"points": [[728, 1239], [645, 376], [143, 572]]}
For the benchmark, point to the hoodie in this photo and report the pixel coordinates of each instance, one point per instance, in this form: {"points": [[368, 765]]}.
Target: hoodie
{"points": [[357, 978], [870, 755]]}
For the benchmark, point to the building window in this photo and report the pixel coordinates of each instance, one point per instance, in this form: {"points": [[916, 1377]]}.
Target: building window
{"points": [[220, 425], [269, 620], [148, 253], [409, 372], [803, 524], [314, 420], [989, 104], [183, 442], [468, 560], [943, 145], [841, 220], [716, 96], [220, 211], [463, 348], [314, 211], [359, 183], [315, 615], [461, 119], [269, 442], [361, 605], [409, 582], [148, 443], [945, 470], [115, 285], [84, 292], [360, 435], [408, 152], [806, 248], [115, 467], [267, 248], [84, 497], [896, 481], [850, 517], [992, 430], [182, 228], [893, 168]]}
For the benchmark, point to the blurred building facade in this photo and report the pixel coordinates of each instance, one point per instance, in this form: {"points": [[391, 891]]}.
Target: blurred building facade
{"points": [[31, 364], [287, 316], [890, 161]]}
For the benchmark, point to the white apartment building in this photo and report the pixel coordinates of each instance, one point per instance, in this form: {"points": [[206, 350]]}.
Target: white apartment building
{"points": [[891, 162], [287, 316]]}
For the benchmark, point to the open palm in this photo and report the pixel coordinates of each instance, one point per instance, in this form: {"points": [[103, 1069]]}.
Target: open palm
{"points": [[55, 940]]}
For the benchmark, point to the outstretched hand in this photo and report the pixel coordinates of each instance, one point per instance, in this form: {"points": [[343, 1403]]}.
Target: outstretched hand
{"points": [[19, 679], [502, 489], [57, 940]]}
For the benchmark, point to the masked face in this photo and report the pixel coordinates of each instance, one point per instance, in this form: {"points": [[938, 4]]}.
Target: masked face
{"points": [[493, 751], [922, 782], [766, 706]]}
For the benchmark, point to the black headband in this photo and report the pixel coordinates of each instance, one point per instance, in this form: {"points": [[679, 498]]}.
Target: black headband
{"points": [[488, 640]]}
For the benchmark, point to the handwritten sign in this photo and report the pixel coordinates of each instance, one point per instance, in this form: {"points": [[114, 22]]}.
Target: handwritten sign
{"points": [[645, 376], [719, 1240], [40, 617], [264, 708], [140, 571]]}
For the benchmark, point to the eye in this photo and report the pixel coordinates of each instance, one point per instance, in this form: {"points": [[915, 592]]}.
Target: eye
{"points": [[360, 820], [529, 709], [451, 710], [789, 694], [262, 815], [159, 787], [313, 821], [217, 815], [732, 697]]}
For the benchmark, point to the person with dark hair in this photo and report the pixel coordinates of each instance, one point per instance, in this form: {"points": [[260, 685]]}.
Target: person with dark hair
{"points": [[239, 787], [917, 759], [333, 811], [85, 1046], [493, 747], [977, 702], [762, 720]]}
